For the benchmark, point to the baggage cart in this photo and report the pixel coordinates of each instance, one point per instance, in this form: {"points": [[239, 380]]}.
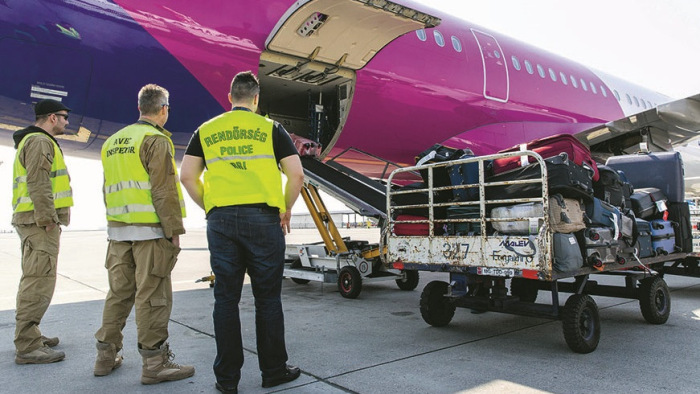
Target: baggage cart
{"points": [[479, 266]]}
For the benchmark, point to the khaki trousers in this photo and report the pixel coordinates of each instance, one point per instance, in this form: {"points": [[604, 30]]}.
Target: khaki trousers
{"points": [[139, 274], [36, 287]]}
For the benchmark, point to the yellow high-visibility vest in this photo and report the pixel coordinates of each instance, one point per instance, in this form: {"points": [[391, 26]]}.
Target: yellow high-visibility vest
{"points": [[60, 180], [127, 187], [240, 159]]}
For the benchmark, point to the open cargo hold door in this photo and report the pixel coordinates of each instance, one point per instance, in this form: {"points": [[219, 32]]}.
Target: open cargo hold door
{"points": [[307, 73]]}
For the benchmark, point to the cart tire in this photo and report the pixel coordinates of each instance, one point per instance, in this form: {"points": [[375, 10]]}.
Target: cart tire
{"points": [[654, 300], [526, 289], [581, 323], [435, 309], [410, 281], [297, 264], [349, 282]]}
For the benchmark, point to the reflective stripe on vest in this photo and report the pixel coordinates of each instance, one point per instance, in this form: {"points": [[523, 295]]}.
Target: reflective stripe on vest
{"points": [[127, 187], [60, 180], [241, 164]]}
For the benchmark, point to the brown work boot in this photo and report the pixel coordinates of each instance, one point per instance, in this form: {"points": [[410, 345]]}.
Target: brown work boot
{"points": [[158, 366], [50, 342], [43, 355], [107, 359]]}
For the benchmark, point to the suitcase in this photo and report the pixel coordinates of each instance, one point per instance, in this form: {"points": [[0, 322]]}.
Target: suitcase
{"points": [[567, 253], [600, 213], [679, 212], [609, 187], [662, 170], [627, 189], [418, 196], [600, 247], [465, 174], [464, 228], [663, 238], [551, 146], [305, 146], [648, 203], [532, 211], [441, 178], [566, 215], [643, 245], [563, 177], [413, 229]]}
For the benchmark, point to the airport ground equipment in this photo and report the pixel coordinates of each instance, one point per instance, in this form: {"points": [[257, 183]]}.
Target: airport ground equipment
{"points": [[349, 263], [479, 266]]}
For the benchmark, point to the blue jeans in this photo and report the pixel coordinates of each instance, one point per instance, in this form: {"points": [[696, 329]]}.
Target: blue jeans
{"points": [[240, 239]]}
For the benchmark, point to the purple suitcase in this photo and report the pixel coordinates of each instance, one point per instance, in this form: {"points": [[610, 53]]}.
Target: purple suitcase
{"points": [[662, 170], [663, 237]]}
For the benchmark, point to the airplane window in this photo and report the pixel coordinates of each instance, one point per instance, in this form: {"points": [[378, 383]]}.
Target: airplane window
{"points": [[421, 35], [629, 99], [528, 67], [516, 62], [573, 81], [593, 89], [583, 85], [602, 90], [617, 95], [540, 70], [636, 101], [438, 38], [553, 75], [456, 44], [563, 78], [497, 54]]}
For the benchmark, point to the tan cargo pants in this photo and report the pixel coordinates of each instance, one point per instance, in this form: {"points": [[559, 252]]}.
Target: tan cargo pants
{"points": [[139, 274], [36, 287]]}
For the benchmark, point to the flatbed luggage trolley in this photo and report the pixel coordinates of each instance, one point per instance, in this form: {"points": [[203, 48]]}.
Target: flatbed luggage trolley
{"points": [[480, 263]]}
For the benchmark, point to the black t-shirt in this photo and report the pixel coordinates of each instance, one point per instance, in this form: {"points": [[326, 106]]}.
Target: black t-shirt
{"points": [[281, 143]]}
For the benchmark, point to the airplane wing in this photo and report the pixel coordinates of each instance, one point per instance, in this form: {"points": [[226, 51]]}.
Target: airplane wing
{"points": [[659, 129]]}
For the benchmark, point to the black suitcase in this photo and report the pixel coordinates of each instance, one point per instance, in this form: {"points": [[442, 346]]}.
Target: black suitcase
{"points": [[643, 245], [463, 228], [609, 187], [627, 189], [564, 177], [646, 202], [417, 195], [679, 212], [662, 170], [441, 175]]}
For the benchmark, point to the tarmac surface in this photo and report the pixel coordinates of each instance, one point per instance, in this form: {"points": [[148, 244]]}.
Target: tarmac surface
{"points": [[377, 343]]}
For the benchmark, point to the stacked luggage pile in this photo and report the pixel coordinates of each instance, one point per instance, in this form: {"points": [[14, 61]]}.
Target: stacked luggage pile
{"points": [[631, 208]]}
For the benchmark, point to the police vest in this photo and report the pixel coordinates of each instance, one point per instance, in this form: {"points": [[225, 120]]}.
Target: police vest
{"points": [[127, 187], [240, 159], [60, 180]]}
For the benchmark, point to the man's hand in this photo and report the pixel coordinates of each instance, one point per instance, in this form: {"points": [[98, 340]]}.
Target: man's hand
{"points": [[50, 227], [284, 221], [175, 240]]}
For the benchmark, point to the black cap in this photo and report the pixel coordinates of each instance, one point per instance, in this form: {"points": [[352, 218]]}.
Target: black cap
{"points": [[45, 107]]}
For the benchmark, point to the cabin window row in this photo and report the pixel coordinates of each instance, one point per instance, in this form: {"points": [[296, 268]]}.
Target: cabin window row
{"points": [[549, 72]]}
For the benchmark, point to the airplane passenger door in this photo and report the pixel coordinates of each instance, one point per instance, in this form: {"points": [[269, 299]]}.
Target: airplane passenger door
{"points": [[496, 81]]}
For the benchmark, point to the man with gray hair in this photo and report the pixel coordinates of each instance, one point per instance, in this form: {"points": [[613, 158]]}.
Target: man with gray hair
{"points": [[144, 215]]}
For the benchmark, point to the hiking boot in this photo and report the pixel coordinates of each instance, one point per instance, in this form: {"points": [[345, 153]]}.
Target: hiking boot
{"points": [[42, 355], [158, 366], [50, 342], [290, 373], [107, 359]]}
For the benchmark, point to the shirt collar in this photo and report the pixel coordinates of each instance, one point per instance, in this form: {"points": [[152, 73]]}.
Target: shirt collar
{"points": [[151, 123]]}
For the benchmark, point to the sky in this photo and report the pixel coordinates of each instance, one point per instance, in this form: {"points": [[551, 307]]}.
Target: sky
{"points": [[651, 43]]}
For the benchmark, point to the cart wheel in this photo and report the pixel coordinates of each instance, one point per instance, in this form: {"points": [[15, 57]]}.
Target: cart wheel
{"points": [[654, 300], [297, 264], [526, 289], [581, 323], [410, 281], [434, 307], [349, 282]]}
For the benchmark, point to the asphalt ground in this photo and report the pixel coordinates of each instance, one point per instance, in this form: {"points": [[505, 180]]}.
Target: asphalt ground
{"points": [[377, 343]]}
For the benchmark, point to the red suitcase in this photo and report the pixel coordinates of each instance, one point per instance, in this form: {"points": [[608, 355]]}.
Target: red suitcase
{"points": [[411, 228], [305, 146], [550, 147]]}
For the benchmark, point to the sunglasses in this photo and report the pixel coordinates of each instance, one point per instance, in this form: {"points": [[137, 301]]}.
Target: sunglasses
{"points": [[65, 116]]}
